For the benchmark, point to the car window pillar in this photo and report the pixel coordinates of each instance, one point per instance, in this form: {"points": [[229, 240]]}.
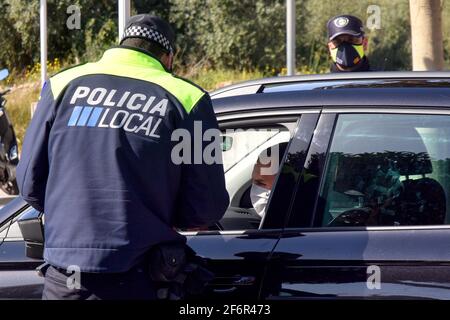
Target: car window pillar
{"points": [[281, 198]]}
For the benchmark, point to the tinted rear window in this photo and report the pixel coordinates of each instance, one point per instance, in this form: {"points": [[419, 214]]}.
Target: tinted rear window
{"points": [[364, 84]]}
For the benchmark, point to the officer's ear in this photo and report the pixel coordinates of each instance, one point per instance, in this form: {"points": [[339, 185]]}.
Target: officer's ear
{"points": [[329, 46], [365, 43], [171, 58], [167, 60]]}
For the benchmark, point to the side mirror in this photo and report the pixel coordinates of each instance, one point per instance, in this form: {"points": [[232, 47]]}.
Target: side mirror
{"points": [[31, 225], [227, 143], [3, 73]]}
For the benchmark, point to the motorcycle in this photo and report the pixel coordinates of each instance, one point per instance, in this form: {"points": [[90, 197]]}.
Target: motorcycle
{"points": [[9, 155]]}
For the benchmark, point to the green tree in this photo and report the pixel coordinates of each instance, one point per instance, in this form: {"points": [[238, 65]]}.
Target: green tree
{"points": [[244, 34], [231, 33], [11, 53]]}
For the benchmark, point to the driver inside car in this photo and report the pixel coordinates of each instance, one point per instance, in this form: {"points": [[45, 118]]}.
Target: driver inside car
{"points": [[264, 174]]}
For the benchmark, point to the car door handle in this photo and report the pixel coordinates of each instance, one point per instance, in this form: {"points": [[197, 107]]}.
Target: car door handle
{"points": [[231, 284], [225, 290], [244, 280]]}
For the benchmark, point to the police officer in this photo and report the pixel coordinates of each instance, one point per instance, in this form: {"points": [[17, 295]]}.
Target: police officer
{"points": [[347, 44], [97, 159]]}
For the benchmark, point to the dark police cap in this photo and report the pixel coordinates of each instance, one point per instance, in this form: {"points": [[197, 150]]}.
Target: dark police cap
{"points": [[151, 28], [344, 24]]}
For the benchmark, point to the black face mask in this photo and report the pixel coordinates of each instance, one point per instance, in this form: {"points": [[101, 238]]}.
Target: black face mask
{"points": [[364, 66], [347, 55]]}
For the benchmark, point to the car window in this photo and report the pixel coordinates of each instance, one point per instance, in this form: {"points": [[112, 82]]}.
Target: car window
{"points": [[387, 170], [10, 230], [354, 84], [242, 142], [242, 147]]}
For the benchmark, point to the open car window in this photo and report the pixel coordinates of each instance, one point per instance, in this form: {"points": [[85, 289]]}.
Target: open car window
{"points": [[244, 142], [242, 145], [248, 144]]}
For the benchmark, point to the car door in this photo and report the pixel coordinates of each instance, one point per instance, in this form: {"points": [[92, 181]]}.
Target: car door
{"points": [[237, 255], [18, 277], [371, 214]]}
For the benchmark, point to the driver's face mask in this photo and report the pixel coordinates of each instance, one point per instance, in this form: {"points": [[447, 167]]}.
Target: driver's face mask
{"points": [[347, 55], [259, 197]]}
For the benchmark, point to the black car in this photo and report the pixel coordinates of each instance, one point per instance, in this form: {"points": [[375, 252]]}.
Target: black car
{"points": [[359, 206], [8, 146]]}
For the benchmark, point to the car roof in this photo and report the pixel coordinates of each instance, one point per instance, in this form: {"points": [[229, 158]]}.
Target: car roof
{"points": [[375, 89], [248, 87]]}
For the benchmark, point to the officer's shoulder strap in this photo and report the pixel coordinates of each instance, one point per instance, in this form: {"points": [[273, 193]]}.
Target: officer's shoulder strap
{"points": [[62, 78], [187, 93], [189, 82], [67, 68]]}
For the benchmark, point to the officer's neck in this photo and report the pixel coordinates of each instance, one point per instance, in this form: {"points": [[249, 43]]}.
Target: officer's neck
{"points": [[165, 63]]}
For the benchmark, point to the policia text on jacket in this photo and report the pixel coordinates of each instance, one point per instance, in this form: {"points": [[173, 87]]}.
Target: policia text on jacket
{"points": [[134, 112]]}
